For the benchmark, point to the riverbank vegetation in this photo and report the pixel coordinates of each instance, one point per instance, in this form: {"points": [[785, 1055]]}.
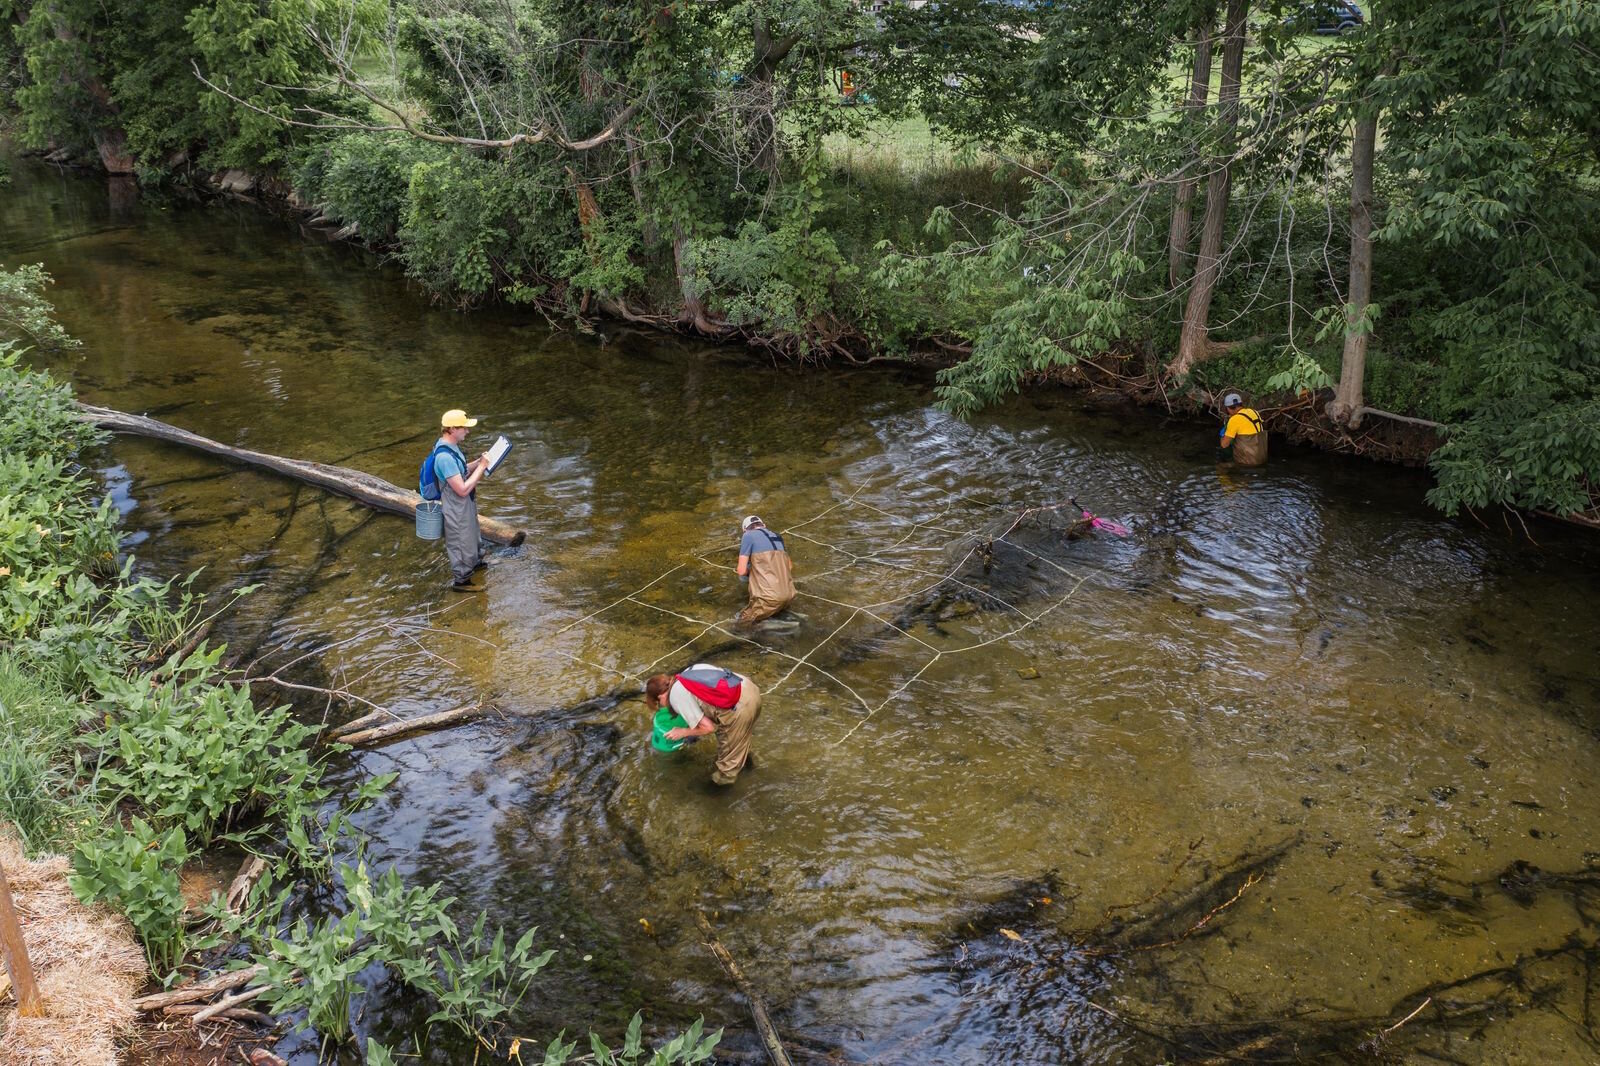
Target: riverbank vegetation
{"points": [[129, 743], [1168, 198]]}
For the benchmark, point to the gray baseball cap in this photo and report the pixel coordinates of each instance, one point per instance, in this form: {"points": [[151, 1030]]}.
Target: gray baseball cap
{"points": [[1233, 399]]}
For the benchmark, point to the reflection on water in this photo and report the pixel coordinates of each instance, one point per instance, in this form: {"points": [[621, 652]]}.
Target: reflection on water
{"points": [[1299, 668]]}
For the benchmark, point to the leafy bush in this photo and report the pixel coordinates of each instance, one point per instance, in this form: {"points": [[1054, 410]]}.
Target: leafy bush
{"points": [[27, 317], [781, 280], [137, 871], [195, 753], [364, 178], [408, 930]]}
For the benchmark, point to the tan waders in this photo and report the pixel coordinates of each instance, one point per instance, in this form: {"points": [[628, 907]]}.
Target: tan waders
{"points": [[734, 728], [1250, 450], [771, 586]]}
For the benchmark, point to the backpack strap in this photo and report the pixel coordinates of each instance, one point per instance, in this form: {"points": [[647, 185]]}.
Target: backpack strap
{"points": [[429, 473]]}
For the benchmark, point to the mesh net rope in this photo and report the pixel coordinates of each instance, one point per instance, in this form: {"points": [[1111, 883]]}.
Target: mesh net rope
{"points": [[853, 537]]}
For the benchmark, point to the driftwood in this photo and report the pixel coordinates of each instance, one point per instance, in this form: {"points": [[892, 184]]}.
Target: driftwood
{"points": [[366, 721], [361, 487], [413, 725], [198, 990], [250, 872], [758, 1010], [228, 1003]]}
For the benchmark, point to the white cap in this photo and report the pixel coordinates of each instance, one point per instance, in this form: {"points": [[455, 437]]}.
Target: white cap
{"points": [[751, 520]]}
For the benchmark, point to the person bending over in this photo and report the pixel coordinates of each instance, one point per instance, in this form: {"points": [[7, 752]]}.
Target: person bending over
{"points": [[711, 700], [764, 563]]}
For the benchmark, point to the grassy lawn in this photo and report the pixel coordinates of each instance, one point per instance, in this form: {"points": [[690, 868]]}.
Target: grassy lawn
{"points": [[908, 145]]}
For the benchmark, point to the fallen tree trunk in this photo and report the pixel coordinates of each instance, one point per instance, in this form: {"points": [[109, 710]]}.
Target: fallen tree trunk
{"points": [[361, 487]]}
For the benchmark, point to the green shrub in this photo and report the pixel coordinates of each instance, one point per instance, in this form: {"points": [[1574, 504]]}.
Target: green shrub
{"points": [[198, 754], [137, 872], [408, 930], [365, 178]]}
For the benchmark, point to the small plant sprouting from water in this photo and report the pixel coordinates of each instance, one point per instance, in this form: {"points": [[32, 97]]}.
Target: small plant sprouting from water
{"points": [[409, 931], [473, 979]]}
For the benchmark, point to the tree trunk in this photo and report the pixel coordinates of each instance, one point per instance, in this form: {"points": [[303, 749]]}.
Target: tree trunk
{"points": [[1348, 404], [1183, 207], [767, 52], [647, 224], [1348, 400], [359, 486], [1192, 346], [694, 314]]}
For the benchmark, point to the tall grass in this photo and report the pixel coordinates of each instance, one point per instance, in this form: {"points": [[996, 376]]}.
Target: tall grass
{"points": [[41, 793]]}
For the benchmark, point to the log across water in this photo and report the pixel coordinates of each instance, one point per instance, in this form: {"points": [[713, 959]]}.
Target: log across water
{"points": [[359, 486]]}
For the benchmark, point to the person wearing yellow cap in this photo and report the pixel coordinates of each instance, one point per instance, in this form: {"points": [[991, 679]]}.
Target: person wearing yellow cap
{"points": [[1243, 438], [458, 480]]}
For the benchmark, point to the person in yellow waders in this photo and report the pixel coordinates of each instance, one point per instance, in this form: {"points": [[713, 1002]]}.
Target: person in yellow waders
{"points": [[764, 562], [1244, 437]]}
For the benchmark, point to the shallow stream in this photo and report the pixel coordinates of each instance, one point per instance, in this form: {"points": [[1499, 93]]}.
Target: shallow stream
{"points": [[1253, 782]]}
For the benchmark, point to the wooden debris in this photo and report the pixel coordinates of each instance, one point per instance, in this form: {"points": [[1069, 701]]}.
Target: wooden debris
{"points": [[758, 1010], [357, 485], [249, 873], [366, 721], [414, 725], [198, 990], [228, 1003]]}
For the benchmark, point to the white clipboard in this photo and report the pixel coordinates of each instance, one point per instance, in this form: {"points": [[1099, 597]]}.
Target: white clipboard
{"points": [[497, 453]]}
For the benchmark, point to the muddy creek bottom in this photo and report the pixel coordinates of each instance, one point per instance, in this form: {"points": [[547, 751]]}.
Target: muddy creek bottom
{"points": [[1254, 783]]}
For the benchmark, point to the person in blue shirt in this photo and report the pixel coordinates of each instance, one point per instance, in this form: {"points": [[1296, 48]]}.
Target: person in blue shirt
{"points": [[764, 563], [458, 485]]}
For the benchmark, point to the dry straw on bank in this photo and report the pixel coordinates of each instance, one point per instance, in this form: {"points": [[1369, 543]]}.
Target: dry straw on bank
{"points": [[86, 962]]}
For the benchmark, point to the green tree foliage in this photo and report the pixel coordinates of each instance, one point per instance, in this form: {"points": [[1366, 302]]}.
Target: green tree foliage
{"points": [[1495, 117], [669, 161]]}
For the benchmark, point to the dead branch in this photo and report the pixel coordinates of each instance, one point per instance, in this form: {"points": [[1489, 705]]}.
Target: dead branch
{"points": [[403, 124], [228, 1003], [427, 722], [360, 486], [364, 722], [758, 1010], [197, 990], [331, 693], [239, 888]]}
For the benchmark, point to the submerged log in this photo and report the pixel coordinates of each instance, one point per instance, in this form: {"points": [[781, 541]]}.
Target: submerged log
{"points": [[357, 485], [770, 1042]]}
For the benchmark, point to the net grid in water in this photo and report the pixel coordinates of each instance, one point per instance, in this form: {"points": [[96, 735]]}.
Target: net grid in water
{"points": [[971, 548]]}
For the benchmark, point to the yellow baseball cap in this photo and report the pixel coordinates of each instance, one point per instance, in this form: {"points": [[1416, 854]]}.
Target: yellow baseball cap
{"points": [[456, 419]]}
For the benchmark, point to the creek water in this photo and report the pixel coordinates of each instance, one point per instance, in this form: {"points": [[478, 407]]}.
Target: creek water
{"points": [[1293, 758]]}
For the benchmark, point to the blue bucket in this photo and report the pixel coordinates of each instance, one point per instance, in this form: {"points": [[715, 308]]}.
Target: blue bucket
{"points": [[430, 519]]}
